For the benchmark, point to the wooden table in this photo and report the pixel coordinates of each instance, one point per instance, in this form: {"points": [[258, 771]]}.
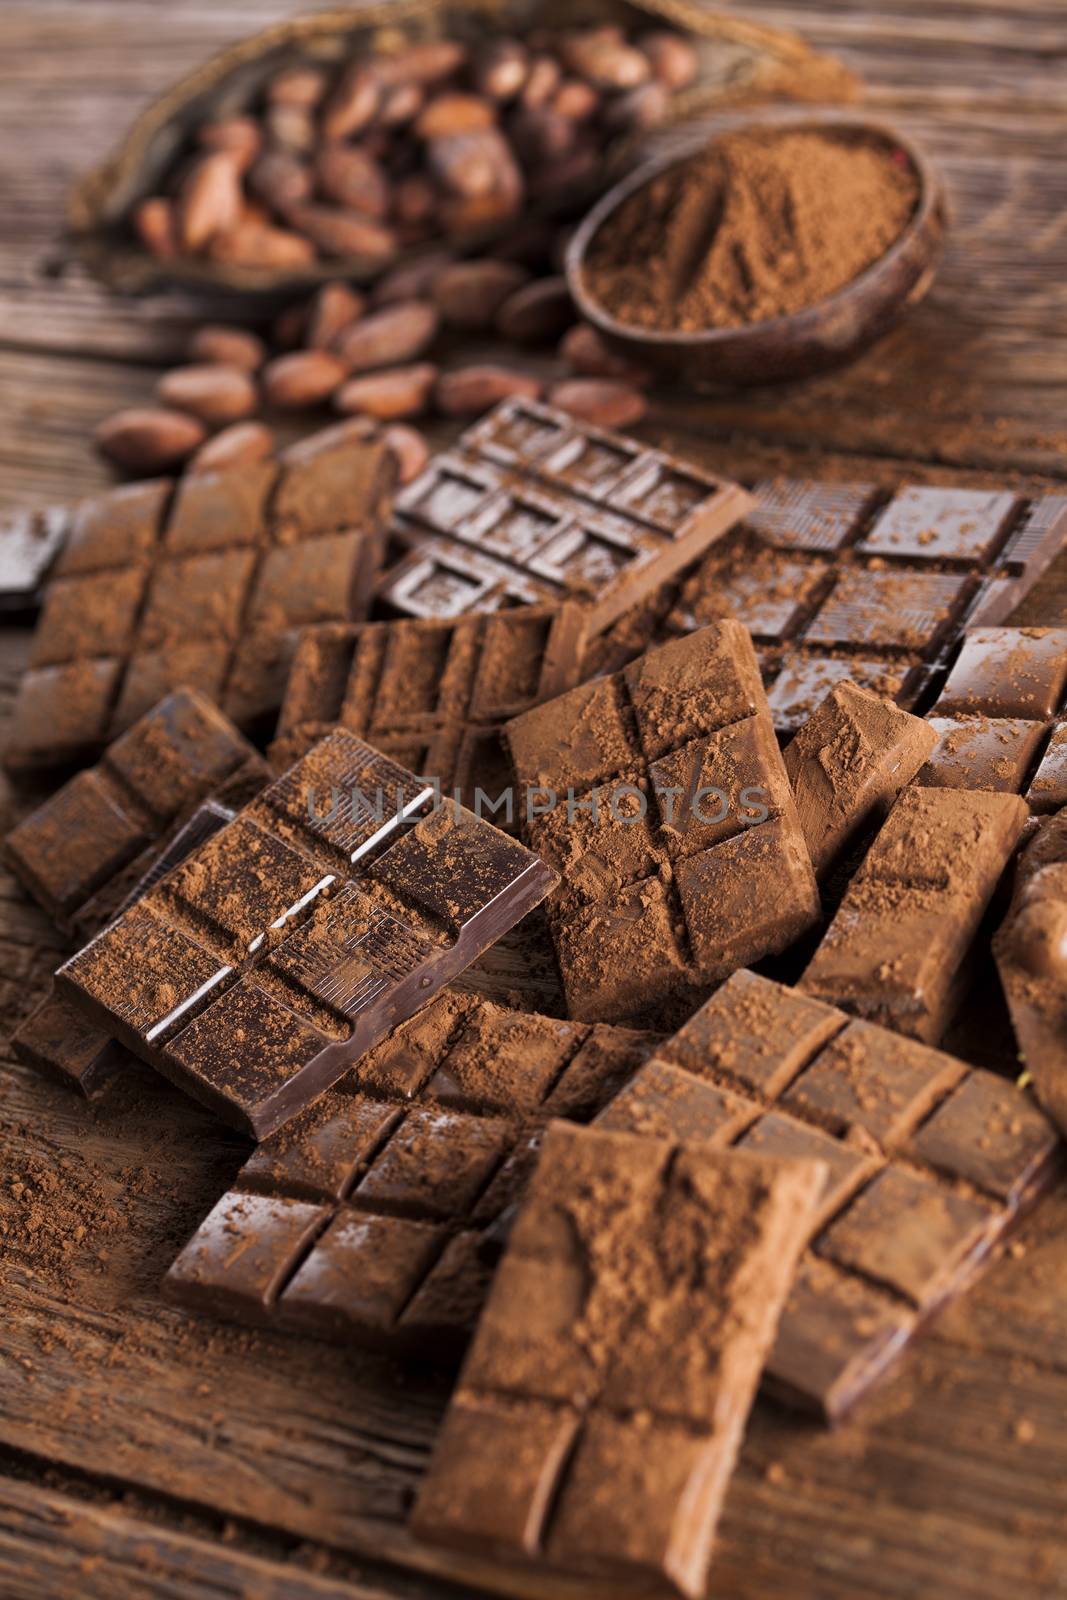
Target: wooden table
{"points": [[143, 1454]]}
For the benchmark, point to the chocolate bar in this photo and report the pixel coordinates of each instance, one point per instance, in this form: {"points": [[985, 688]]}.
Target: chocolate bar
{"points": [[601, 1407], [1001, 717], [204, 584], [896, 951], [848, 763], [852, 581], [366, 1216], [80, 852], [928, 1162], [534, 506], [329, 910], [30, 541], [1030, 948], [660, 796], [435, 695]]}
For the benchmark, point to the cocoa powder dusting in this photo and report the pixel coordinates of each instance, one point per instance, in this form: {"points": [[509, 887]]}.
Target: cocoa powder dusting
{"points": [[762, 224]]}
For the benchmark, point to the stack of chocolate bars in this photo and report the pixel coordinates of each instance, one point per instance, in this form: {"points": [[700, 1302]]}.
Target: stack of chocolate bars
{"points": [[342, 751]]}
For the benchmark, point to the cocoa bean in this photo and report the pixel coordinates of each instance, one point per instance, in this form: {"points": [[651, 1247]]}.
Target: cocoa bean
{"points": [[353, 104], [409, 449], [414, 199], [606, 62], [332, 308], [541, 135], [599, 401], [401, 105], [447, 114], [542, 81], [281, 180], [469, 294], [585, 352], [577, 100], [156, 226], [421, 63], [461, 215], [242, 137], [389, 395], [301, 379], [290, 128], [239, 445], [388, 338], [538, 313], [209, 202], [637, 109], [214, 393], [258, 245], [468, 391], [414, 280], [297, 86], [347, 175], [673, 59], [501, 70], [149, 439], [344, 233], [215, 343], [470, 164]]}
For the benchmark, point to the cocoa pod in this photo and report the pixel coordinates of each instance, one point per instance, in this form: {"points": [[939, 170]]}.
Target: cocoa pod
{"points": [[210, 200], [401, 105], [253, 244], [351, 178], [353, 104], [409, 449], [280, 179], [468, 294], [390, 395], [414, 280], [290, 128], [156, 225], [447, 114], [301, 86], [388, 338], [673, 59], [239, 445], [301, 379], [218, 344], [637, 109], [542, 81], [421, 63], [607, 62], [501, 70], [538, 313], [242, 137], [585, 352], [599, 401], [344, 233], [149, 439], [468, 391], [332, 308], [214, 393]]}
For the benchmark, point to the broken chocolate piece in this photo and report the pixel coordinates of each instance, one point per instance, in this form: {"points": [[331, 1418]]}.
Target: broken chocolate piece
{"points": [[30, 542], [586, 1432]]}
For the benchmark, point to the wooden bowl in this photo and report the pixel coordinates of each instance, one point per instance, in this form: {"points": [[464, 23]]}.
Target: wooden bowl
{"points": [[824, 335]]}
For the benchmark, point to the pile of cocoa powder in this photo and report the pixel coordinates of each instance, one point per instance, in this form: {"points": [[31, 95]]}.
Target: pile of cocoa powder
{"points": [[762, 224]]}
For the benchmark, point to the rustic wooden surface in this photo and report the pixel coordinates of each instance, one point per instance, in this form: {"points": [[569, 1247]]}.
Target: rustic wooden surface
{"points": [[142, 1454]]}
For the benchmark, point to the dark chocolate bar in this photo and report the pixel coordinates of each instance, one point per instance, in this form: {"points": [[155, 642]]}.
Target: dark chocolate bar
{"points": [[81, 852], [534, 506], [852, 581], [601, 1407], [848, 763], [897, 950], [435, 695], [1001, 717], [329, 910], [660, 795], [928, 1162], [204, 584], [30, 541], [1030, 948], [365, 1217]]}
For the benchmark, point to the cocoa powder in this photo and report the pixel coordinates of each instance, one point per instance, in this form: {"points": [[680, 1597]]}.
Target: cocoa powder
{"points": [[761, 224]]}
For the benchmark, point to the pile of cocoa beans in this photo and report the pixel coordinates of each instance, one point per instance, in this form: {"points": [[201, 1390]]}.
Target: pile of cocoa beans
{"points": [[391, 151], [373, 356]]}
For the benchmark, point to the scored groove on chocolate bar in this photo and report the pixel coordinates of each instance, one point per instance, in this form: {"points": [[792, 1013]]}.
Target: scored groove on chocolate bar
{"points": [[397, 1173], [203, 585], [666, 807], [332, 907], [599, 1413], [928, 1162], [532, 505]]}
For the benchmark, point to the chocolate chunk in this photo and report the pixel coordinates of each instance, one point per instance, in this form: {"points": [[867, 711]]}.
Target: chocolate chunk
{"points": [[58, 1040], [30, 543], [660, 795], [206, 587], [1007, 672], [982, 753], [613, 1434], [896, 950], [927, 1162], [281, 951], [1048, 791], [435, 694], [534, 505], [412, 1157], [848, 763]]}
